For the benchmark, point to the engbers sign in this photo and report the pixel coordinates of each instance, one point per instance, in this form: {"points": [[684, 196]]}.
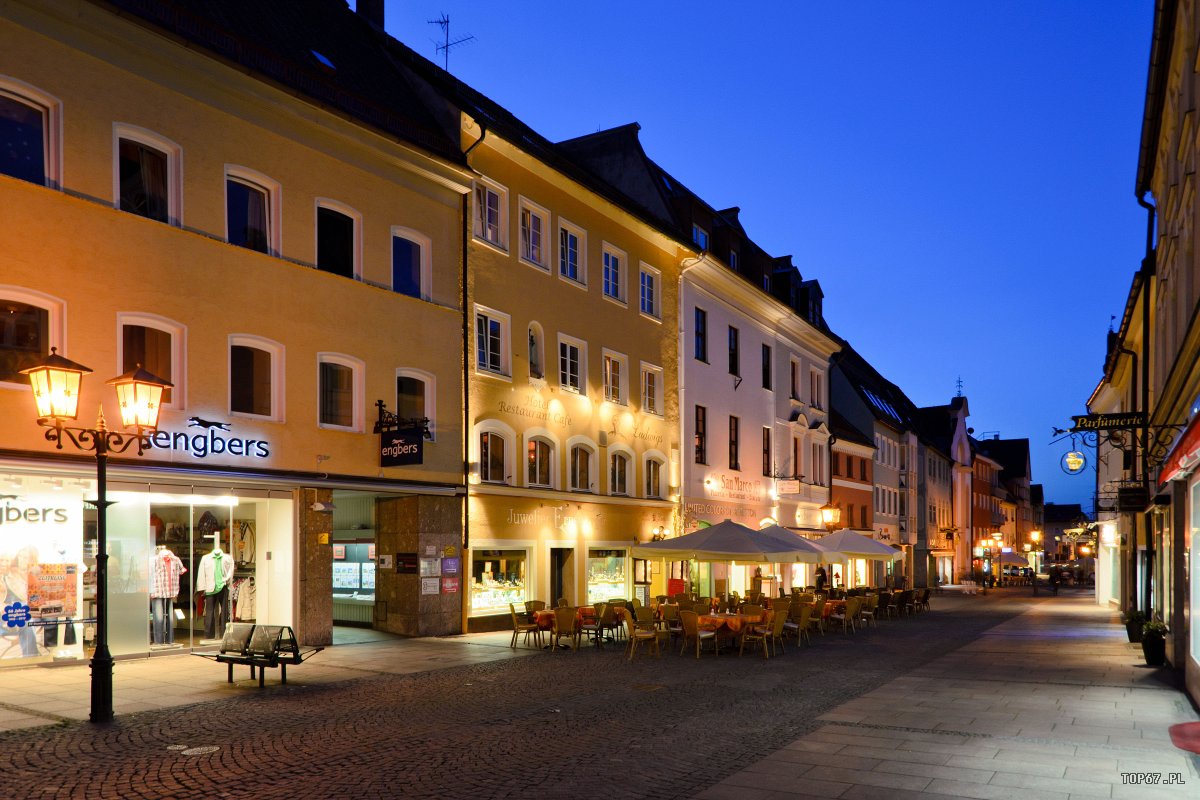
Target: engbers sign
{"points": [[400, 448]]}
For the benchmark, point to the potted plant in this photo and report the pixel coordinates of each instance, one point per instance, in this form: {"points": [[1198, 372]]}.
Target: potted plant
{"points": [[1154, 643], [1134, 620]]}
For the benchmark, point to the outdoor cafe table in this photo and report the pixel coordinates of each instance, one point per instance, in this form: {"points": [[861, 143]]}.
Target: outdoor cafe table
{"points": [[545, 617], [830, 607], [731, 623]]}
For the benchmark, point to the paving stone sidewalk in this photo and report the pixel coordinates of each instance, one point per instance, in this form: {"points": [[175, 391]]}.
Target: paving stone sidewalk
{"points": [[1049, 705]]}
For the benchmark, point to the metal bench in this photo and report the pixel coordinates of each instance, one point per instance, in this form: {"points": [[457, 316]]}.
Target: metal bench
{"points": [[260, 647]]}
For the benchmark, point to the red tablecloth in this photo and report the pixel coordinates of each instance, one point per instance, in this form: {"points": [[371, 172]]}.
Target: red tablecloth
{"points": [[583, 615], [730, 622]]}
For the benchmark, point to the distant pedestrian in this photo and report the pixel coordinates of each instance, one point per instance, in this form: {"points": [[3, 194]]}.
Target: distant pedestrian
{"points": [[1055, 579], [820, 579]]}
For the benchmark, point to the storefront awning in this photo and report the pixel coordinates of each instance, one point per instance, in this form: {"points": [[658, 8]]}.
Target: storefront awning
{"points": [[1185, 455]]}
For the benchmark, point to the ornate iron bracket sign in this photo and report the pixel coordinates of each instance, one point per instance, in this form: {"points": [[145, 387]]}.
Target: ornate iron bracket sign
{"points": [[1121, 432], [400, 438]]}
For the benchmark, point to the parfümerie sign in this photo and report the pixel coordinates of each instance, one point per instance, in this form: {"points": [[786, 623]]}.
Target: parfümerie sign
{"points": [[1108, 422]]}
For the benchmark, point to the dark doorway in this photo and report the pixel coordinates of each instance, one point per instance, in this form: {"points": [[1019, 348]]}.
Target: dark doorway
{"points": [[562, 574]]}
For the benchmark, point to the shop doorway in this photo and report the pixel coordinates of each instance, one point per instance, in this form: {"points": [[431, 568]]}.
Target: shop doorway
{"points": [[353, 567], [562, 574]]}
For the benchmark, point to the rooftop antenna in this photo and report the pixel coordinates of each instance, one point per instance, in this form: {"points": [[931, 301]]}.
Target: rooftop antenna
{"points": [[446, 46], [958, 384]]}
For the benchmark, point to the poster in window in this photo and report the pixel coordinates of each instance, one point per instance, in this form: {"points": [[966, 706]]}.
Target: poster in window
{"points": [[53, 590], [346, 576], [339, 552]]}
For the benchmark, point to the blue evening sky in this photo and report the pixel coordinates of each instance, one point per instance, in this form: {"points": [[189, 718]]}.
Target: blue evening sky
{"points": [[958, 175]]}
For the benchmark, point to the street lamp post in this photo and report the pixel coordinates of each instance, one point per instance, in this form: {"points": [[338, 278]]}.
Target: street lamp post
{"points": [[55, 382], [831, 515], [998, 538]]}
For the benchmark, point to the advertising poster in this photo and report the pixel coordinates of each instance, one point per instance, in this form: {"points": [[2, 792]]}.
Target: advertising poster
{"points": [[53, 590]]}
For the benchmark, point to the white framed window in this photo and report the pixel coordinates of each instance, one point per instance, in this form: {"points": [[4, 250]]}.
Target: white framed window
{"points": [[572, 253], [159, 346], [816, 390], [652, 389], [339, 238], [33, 323], [493, 451], [700, 237], [491, 213], [412, 263], [147, 174], [253, 211], [491, 341], [31, 129], [535, 231], [340, 388], [582, 464], [817, 471], [540, 466], [416, 397], [614, 273], [616, 377], [649, 292], [621, 477], [572, 364], [256, 377], [654, 472]]}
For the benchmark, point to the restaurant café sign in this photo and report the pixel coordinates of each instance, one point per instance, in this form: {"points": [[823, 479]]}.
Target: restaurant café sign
{"points": [[1108, 422]]}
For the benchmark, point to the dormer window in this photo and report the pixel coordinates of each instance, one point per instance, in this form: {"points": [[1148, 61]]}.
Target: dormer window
{"points": [[700, 237]]}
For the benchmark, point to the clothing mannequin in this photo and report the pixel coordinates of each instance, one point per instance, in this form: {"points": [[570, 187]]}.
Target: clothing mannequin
{"points": [[165, 569], [212, 578]]}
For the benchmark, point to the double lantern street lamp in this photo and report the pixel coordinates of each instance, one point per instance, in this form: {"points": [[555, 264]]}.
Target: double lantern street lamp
{"points": [[55, 382]]}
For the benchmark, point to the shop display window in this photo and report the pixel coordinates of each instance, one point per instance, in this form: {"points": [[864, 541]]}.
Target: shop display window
{"points": [[606, 575], [498, 577]]}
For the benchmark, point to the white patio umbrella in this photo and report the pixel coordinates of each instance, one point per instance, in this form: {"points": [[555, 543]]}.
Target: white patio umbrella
{"points": [[854, 545], [813, 552], [731, 541], [1014, 558]]}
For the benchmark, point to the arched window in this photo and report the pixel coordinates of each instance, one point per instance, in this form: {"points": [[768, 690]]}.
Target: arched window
{"points": [[539, 462], [654, 476], [158, 345], [581, 468], [491, 457], [618, 473], [340, 391], [411, 263], [537, 368], [148, 179], [30, 324], [30, 125], [415, 398], [256, 377]]}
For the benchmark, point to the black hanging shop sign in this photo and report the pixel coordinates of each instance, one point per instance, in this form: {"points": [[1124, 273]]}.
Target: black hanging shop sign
{"points": [[1108, 422], [401, 440]]}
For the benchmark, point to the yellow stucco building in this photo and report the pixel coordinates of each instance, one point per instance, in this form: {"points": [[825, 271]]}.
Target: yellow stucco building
{"points": [[284, 245]]}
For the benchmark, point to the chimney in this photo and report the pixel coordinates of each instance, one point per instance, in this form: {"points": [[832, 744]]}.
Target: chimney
{"points": [[371, 11]]}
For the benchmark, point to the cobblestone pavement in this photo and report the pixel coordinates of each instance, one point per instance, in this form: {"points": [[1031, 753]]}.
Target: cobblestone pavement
{"points": [[556, 724]]}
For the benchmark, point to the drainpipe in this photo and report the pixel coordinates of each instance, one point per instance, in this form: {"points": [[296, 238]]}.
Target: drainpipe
{"points": [[1148, 272], [1131, 598], [680, 361], [466, 365]]}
